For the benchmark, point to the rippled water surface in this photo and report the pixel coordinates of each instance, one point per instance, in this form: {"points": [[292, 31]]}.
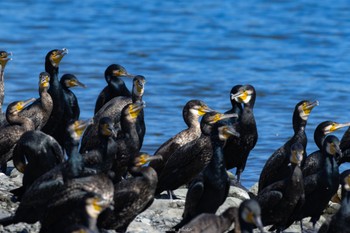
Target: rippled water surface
{"points": [[288, 50]]}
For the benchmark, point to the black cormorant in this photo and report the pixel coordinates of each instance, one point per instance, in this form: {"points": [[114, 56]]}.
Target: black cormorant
{"points": [[237, 150], [52, 61], [113, 109], [191, 113], [210, 188], [279, 200], [10, 134], [236, 106], [4, 58], [116, 86], [34, 154], [209, 223], [322, 185], [313, 162], [189, 160], [340, 221], [131, 196], [39, 111], [275, 167]]}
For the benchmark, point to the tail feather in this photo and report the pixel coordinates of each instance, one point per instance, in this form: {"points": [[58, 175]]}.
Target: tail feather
{"points": [[8, 221]]}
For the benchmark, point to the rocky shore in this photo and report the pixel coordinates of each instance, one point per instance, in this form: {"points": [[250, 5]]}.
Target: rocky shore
{"points": [[159, 217]]}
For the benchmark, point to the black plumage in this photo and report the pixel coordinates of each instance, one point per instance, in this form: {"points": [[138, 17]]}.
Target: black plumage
{"points": [[191, 112], [279, 200], [34, 154], [237, 150], [115, 85], [189, 160], [10, 134], [209, 223], [275, 167], [113, 110], [52, 62], [39, 111], [131, 196], [340, 221], [210, 188]]}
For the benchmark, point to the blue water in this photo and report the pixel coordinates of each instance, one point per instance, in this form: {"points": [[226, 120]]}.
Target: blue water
{"points": [[288, 50]]}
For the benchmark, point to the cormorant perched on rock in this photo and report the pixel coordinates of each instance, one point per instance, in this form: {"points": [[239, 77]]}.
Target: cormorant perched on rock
{"points": [[313, 163], [72, 207], [4, 58], [35, 154], [39, 111], [237, 150], [189, 160], [322, 185], [10, 134], [115, 85], [209, 223], [52, 61], [279, 200], [340, 221], [191, 113], [131, 196], [113, 110], [275, 167], [210, 188]]}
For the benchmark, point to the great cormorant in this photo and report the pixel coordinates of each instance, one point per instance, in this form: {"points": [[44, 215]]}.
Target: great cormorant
{"points": [[39, 111], [275, 167], [237, 150], [10, 134], [210, 188], [115, 85]]}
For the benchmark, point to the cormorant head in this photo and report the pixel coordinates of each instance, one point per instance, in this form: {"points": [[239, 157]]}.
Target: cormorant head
{"points": [[196, 107], [115, 71], [212, 117], [133, 110], [250, 213], [144, 158], [106, 127], [139, 85], [55, 56], [331, 146], [70, 80], [226, 131], [4, 58], [76, 129], [245, 94], [95, 204], [44, 80], [297, 153], [15, 107], [304, 107]]}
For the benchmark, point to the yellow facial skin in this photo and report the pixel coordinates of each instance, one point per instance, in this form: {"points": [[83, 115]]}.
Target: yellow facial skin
{"points": [[305, 109], [135, 109], [44, 81], [21, 105], [4, 58], [57, 55]]}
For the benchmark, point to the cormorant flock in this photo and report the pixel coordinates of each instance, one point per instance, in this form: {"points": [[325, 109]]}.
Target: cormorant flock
{"points": [[90, 176]]}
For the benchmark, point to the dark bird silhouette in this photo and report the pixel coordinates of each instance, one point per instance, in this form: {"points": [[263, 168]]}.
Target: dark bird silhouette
{"points": [[281, 199], [113, 110], [4, 58], [52, 62], [131, 196], [34, 154], [237, 150], [189, 160], [322, 185], [209, 223], [236, 107], [340, 221], [210, 188], [115, 85], [276, 166], [10, 134], [39, 111], [191, 113]]}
